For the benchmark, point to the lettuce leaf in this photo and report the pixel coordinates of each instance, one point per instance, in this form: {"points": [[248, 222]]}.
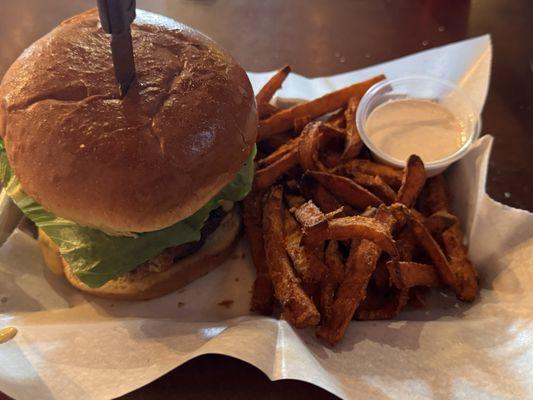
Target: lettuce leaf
{"points": [[96, 257]]}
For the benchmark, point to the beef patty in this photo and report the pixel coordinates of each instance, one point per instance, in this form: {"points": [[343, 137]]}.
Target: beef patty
{"points": [[169, 256]]}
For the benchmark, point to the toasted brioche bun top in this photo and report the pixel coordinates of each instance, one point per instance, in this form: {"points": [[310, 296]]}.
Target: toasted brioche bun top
{"points": [[141, 163]]}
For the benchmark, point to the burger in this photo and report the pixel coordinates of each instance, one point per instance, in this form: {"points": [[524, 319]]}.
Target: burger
{"points": [[134, 196]]}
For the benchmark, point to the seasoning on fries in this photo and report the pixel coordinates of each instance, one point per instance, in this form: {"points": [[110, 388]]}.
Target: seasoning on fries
{"points": [[461, 265], [297, 306], [334, 276], [344, 237], [353, 143], [391, 175], [413, 181], [308, 266], [349, 227], [346, 190], [376, 185]]}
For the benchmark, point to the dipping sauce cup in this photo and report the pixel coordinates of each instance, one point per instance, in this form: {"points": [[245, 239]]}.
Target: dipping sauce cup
{"points": [[417, 112]]}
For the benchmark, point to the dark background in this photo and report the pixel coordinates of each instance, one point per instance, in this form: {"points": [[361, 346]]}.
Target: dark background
{"points": [[321, 37]]}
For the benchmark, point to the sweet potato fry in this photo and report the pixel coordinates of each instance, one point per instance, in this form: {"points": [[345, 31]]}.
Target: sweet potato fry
{"points": [[265, 177], [381, 275], [294, 201], [352, 227], [326, 201], [284, 119], [306, 263], [272, 86], [337, 119], [393, 217], [312, 138], [331, 145], [288, 147], [421, 217], [414, 177], [434, 251], [407, 274], [434, 196], [376, 185], [334, 261], [393, 303], [310, 217], [339, 212], [320, 195], [381, 189], [346, 190], [262, 291], [273, 143], [461, 265], [440, 221], [417, 296], [309, 145], [406, 244], [334, 276], [373, 300], [392, 176], [399, 215], [301, 122], [298, 308], [265, 110], [351, 292], [330, 159], [353, 144], [291, 187]]}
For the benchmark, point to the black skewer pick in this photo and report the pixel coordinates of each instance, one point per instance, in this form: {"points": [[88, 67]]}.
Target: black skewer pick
{"points": [[116, 17]]}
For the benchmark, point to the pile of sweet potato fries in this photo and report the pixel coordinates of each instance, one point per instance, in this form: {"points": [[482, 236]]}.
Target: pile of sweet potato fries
{"points": [[336, 236]]}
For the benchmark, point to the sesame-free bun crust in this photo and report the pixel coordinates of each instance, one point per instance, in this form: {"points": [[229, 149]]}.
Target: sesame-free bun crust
{"points": [[217, 248], [136, 164]]}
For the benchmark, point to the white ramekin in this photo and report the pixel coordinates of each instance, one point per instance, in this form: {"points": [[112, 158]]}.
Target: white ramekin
{"points": [[440, 91]]}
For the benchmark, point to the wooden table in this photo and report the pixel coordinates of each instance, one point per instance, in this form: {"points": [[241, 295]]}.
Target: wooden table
{"points": [[319, 37]]}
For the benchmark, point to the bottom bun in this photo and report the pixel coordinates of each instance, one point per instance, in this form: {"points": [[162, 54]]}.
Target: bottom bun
{"points": [[217, 248]]}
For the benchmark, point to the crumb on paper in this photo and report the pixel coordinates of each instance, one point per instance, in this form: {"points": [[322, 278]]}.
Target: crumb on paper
{"points": [[226, 303], [397, 324], [180, 304]]}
